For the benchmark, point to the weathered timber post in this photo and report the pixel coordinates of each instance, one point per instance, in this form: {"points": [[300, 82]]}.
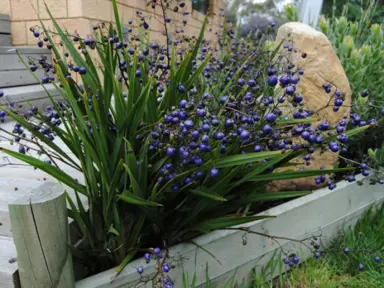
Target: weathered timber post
{"points": [[39, 224]]}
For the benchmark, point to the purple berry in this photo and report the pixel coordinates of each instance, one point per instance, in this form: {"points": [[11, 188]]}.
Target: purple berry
{"points": [[22, 149], [83, 70], [140, 269], [157, 251], [258, 148], [270, 117], [296, 260], [215, 172], [347, 250], [272, 80], [183, 103], [290, 90], [1, 93], [171, 151], [267, 129], [286, 261], [201, 112], [245, 134], [147, 257]]}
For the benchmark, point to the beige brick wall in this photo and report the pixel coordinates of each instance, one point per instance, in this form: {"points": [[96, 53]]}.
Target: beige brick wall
{"points": [[79, 15]]}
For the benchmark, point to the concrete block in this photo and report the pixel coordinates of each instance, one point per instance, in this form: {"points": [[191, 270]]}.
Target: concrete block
{"points": [[35, 94], [5, 40], [5, 24], [9, 60]]}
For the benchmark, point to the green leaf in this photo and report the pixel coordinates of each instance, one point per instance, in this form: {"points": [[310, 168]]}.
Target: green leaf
{"points": [[134, 184], [125, 262], [224, 222], [272, 196], [245, 158], [295, 174], [207, 193], [296, 121], [113, 231], [132, 199]]}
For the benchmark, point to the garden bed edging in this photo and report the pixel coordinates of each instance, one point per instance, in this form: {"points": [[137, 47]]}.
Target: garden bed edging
{"points": [[324, 212]]}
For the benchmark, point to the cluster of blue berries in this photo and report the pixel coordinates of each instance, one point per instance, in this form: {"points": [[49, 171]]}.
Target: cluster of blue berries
{"points": [[156, 255]]}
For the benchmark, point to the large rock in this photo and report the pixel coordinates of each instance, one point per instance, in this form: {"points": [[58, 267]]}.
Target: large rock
{"points": [[320, 66]]}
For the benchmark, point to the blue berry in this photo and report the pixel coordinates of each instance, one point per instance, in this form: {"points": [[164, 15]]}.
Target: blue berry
{"points": [[201, 112], [181, 89], [140, 269], [365, 172], [363, 166], [22, 149], [171, 151], [245, 134], [304, 55], [145, 25], [272, 80], [364, 93], [270, 117], [147, 257], [296, 260], [361, 267], [166, 268], [1, 93], [286, 261], [183, 103], [83, 70], [188, 124], [377, 259], [215, 172], [317, 255], [347, 250], [298, 98], [290, 90], [267, 129], [157, 251]]}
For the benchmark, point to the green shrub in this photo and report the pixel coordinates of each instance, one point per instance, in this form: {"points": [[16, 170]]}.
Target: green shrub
{"points": [[172, 141]]}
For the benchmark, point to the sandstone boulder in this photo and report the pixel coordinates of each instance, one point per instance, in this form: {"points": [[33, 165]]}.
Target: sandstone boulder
{"points": [[321, 66]]}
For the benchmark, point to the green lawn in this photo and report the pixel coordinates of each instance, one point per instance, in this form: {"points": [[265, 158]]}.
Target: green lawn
{"points": [[338, 269]]}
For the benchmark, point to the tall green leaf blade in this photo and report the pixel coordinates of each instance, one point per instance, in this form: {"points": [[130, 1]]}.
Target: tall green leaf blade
{"points": [[295, 174], [207, 193], [245, 158], [132, 199]]}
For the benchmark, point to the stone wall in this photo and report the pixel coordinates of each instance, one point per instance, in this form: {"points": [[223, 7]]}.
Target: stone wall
{"points": [[80, 15]]}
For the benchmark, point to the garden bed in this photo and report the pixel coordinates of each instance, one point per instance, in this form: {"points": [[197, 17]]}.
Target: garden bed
{"points": [[323, 212]]}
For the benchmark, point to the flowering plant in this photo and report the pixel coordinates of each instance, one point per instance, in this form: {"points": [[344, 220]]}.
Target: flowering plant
{"points": [[172, 141]]}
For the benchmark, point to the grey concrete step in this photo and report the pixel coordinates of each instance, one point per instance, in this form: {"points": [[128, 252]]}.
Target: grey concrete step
{"points": [[5, 24], [5, 40], [5, 31], [13, 72], [34, 94]]}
